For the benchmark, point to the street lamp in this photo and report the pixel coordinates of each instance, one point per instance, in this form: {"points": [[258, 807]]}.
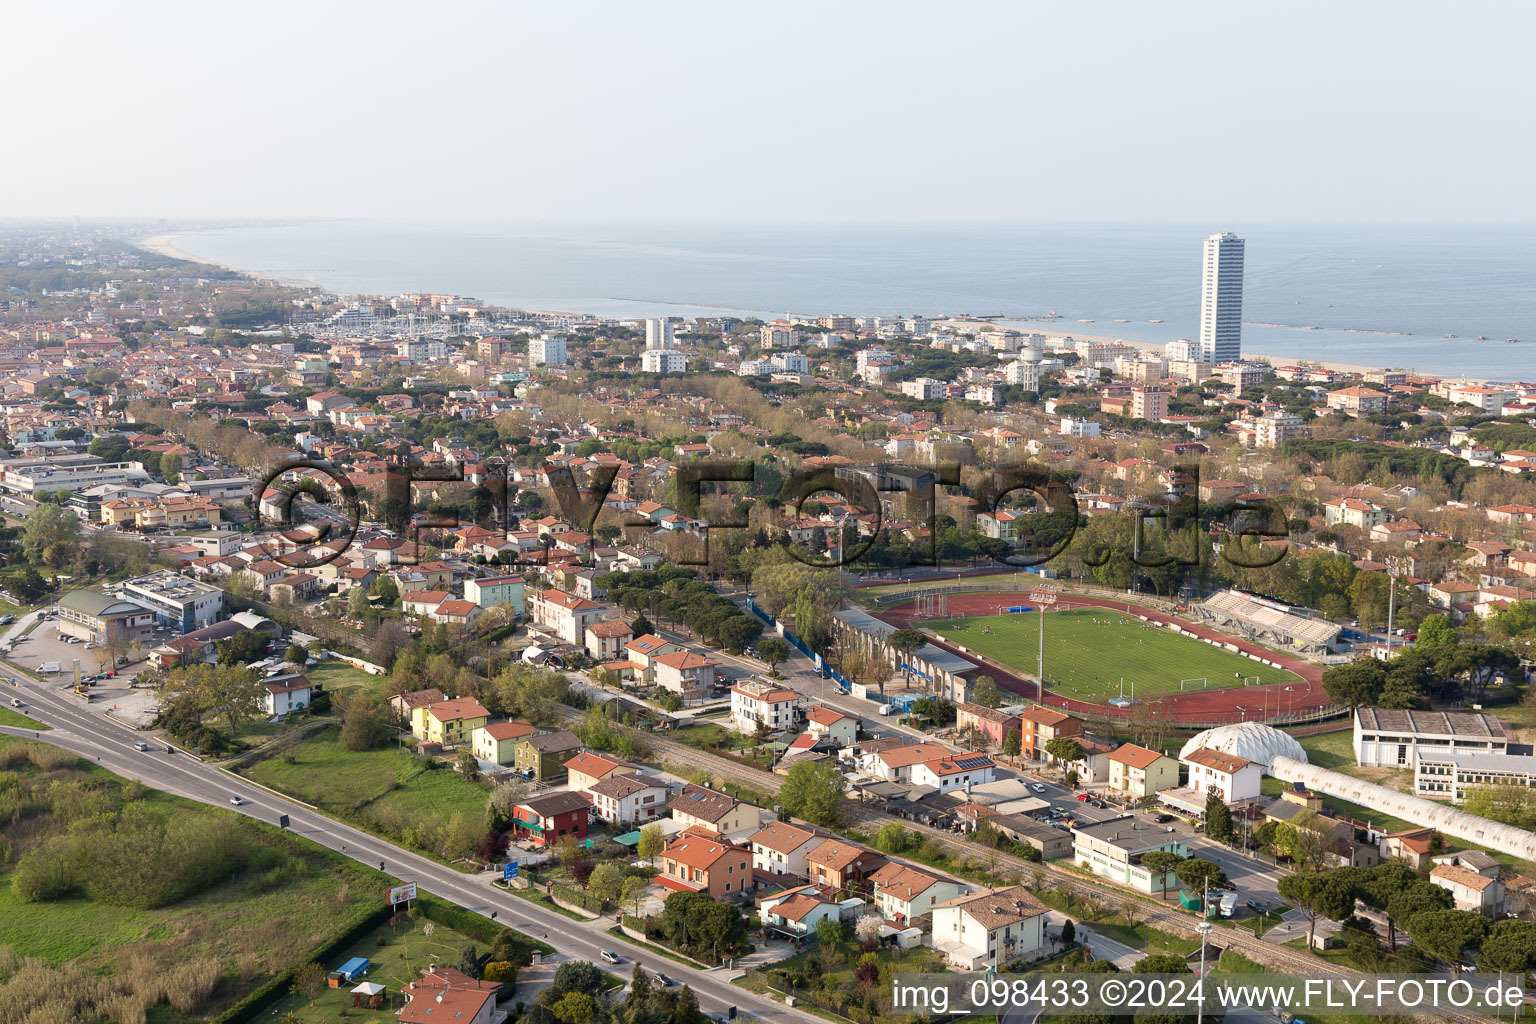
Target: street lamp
{"points": [[1396, 566], [1204, 928], [1044, 596]]}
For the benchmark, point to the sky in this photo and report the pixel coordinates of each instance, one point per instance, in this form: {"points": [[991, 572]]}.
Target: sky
{"points": [[784, 111]]}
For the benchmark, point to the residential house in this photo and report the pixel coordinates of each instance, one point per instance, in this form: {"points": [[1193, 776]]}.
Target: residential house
{"points": [[606, 640], [990, 724], [543, 756], [688, 674], [1040, 725], [698, 806], [448, 721], [957, 772], [287, 693], [497, 742], [587, 769], [990, 929], [444, 994], [840, 729], [1141, 773], [756, 704], [628, 799], [904, 894], [642, 649], [700, 861], [405, 704], [1478, 893], [1228, 777], [780, 848], [565, 615], [546, 820], [797, 911], [842, 865]]}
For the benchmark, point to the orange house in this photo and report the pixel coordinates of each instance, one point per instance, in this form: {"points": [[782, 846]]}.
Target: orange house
{"points": [[699, 861]]}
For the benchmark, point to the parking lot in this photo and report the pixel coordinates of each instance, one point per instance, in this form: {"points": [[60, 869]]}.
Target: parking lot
{"points": [[44, 646]]}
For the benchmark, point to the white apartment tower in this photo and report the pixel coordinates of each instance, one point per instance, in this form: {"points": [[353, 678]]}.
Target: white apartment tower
{"points": [[546, 350], [663, 360], [1221, 299], [658, 333]]}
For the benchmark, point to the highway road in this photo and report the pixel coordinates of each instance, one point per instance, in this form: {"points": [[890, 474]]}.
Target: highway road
{"points": [[82, 729]]}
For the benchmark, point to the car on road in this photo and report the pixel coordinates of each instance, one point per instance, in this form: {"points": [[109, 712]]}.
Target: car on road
{"points": [[664, 981], [1163, 819], [609, 956], [15, 702], [887, 709], [237, 801], [1255, 906], [141, 746], [1083, 797], [1037, 787]]}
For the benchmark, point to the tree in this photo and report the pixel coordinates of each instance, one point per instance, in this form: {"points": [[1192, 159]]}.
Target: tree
{"points": [[47, 525], [641, 625], [1064, 748], [814, 791], [361, 727], [1161, 963], [1013, 743], [652, 842], [574, 1008], [987, 693], [504, 798], [1510, 946], [607, 882], [893, 837], [297, 654], [1218, 819], [170, 467], [466, 765], [309, 979], [634, 893], [243, 648], [1356, 684], [1068, 933], [1448, 934], [385, 590], [1436, 631], [1419, 897], [906, 641], [29, 586], [1195, 874], [1317, 895], [773, 651], [1158, 863], [232, 691]]}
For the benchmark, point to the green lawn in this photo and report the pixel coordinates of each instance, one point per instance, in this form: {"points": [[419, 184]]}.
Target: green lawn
{"points": [[1086, 660], [338, 675], [369, 786], [19, 720], [1332, 750], [407, 949], [255, 924]]}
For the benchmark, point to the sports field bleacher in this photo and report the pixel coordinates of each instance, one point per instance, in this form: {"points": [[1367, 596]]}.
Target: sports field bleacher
{"points": [[1260, 618]]}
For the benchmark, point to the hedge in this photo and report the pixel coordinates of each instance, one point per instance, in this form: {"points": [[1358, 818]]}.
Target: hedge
{"points": [[476, 926]]}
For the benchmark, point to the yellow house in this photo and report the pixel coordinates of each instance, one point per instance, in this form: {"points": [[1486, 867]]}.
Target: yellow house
{"points": [[698, 806], [1140, 772], [498, 741], [448, 721]]}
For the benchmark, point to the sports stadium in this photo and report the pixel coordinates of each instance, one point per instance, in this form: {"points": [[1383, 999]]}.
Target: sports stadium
{"points": [[1104, 655]]}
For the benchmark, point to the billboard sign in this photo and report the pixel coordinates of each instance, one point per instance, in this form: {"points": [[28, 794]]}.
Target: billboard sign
{"points": [[402, 893]]}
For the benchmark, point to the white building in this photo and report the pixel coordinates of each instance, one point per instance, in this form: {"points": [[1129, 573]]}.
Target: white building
{"points": [[1228, 777], [959, 772], [1221, 299], [1078, 428], [546, 350], [756, 703], [924, 388], [175, 600], [990, 928], [1114, 849], [628, 799], [1024, 372], [658, 333], [780, 848], [1454, 775], [1392, 738], [903, 894], [663, 360], [790, 362], [287, 693]]}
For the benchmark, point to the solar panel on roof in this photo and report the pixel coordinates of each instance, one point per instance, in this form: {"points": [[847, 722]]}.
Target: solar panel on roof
{"points": [[971, 762]]}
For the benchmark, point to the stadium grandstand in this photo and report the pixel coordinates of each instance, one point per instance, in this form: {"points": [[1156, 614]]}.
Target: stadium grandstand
{"points": [[1260, 618]]}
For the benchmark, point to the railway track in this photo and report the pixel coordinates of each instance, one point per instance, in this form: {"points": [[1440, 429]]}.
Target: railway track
{"points": [[686, 760]]}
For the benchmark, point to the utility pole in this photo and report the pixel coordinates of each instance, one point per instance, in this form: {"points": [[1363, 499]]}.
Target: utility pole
{"points": [[1204, 928], [1044, 597], [1395, 568]]}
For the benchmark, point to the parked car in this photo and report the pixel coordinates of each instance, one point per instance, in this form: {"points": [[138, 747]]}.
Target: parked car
{"points": [[1163, 819]]}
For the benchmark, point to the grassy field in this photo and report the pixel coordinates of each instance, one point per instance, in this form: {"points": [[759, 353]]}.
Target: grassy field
{"points": [[338, 675], [1086, 659], [19, 720], [255, 924], [368, 786]]}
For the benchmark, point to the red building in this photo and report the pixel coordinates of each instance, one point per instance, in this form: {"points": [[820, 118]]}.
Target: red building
{"points": [[548, 819]]}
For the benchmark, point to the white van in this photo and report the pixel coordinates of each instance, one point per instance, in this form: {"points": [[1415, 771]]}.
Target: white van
{"points": [[887, 709]]}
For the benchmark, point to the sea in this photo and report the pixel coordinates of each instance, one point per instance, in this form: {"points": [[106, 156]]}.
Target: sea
{"points": [[1368, 295]]}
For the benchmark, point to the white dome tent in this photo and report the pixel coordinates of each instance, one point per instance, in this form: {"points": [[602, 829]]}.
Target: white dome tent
{"points": [[1257, 742]]}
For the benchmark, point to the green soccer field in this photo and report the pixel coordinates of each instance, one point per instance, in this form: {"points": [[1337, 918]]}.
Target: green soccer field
{"points": [[1086, 659]]}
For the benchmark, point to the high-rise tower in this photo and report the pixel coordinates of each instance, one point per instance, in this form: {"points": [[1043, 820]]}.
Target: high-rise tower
{"points": [[1221, 299]]}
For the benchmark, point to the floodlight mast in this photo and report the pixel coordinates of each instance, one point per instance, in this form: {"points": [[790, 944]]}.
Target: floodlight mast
{"points": [[1044, 596]]}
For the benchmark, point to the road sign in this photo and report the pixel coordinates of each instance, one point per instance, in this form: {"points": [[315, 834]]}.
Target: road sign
{"points": [[509, 871], [282, 821], [402, 893]]}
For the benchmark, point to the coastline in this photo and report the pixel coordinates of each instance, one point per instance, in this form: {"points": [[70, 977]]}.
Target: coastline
{"points": [[165, 245]]}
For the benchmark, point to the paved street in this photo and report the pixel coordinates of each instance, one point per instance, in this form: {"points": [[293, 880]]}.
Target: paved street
{"points": [[85, 732]]}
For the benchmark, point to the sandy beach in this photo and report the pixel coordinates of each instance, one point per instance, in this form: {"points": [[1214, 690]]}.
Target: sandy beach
{"points": [[165, 245]]}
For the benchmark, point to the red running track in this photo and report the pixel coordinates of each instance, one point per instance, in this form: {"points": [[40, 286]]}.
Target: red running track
{"points": [[1195, 706]]}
